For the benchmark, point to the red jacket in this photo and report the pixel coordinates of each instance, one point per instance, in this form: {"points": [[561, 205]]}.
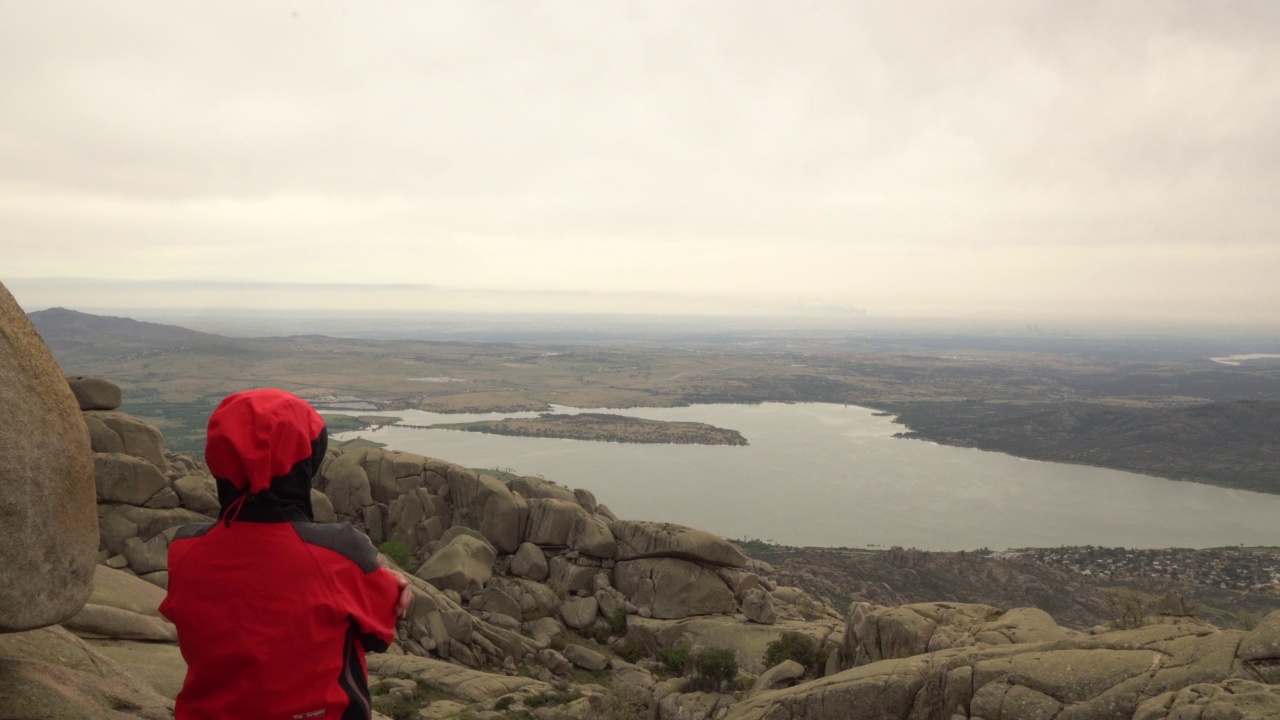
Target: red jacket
{"points": [[274, 613], [274, 619]]}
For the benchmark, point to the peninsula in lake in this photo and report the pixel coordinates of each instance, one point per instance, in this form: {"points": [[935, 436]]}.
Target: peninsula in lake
{"points": [[604, 427]]}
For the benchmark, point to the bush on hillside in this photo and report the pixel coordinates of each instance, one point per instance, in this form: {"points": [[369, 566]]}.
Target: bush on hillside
{"points": [[676, 657], [713, 669], [799, 647]]}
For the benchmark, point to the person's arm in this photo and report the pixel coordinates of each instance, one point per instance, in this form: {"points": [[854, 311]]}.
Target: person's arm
{"points": [[371, 595]]}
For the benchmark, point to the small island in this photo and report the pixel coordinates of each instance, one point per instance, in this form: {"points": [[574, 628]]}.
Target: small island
{"points": [[604, 427]]}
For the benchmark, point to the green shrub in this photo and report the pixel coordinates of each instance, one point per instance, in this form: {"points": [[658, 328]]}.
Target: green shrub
{"points": [[713, 668], [599, 632], [676, 657], [630, 650], [799, 647], [618, 622], [398, 552]]}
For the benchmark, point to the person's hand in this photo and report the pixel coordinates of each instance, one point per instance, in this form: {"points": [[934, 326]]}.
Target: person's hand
{"points": [[406, 595]]}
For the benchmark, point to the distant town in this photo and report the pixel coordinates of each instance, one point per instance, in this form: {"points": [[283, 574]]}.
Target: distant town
{"points": [[1235, 569]]}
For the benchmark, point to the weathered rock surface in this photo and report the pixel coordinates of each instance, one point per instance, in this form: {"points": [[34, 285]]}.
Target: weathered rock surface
{"points": [[551, 521], [484, 503], [781, 675], [94, 393], [535, 487], [529, 562], [645, 539], [749, 641], [1227, 700], [127, 479], [464, 564], [459, 681], [131, 437], [580, 613], [101, 621], [1088, 677], [592, 536], [670, 588], [49, 674], [159, 665], [880, 633], [343, 479], [118, 589], [757, 606], [46, 483], [200, 493]]}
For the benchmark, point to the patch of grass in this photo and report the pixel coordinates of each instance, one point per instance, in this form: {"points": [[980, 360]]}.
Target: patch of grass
{"points": [[398, 552]]}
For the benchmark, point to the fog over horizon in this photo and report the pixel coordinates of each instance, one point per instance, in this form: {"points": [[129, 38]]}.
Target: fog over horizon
{"points": [[1094, 161]]}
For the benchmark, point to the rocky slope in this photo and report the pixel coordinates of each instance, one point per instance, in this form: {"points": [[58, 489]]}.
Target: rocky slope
{"points": [[535, 600], [900, 577]]}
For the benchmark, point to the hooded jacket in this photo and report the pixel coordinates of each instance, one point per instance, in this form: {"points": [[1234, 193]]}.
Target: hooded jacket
{"points": [[274, 612]]}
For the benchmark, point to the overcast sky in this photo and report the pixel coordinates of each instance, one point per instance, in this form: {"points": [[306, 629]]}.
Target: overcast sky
{"points": [[1019, 159]]}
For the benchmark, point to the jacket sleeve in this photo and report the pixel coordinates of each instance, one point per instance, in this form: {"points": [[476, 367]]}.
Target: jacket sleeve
{"points": [[369, 598], [362, 589]]}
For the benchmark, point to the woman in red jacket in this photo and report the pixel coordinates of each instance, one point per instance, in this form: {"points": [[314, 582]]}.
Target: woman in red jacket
{"points": [[275, 612]]}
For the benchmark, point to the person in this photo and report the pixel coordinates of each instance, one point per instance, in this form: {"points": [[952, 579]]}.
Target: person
{"points": [[274, 612]]}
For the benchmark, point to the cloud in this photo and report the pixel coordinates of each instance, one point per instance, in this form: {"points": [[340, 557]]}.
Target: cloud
{"points": [[739, 148]]}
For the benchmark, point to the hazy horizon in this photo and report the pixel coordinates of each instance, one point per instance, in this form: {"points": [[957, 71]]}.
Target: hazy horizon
{"points": [[1014, 161]]}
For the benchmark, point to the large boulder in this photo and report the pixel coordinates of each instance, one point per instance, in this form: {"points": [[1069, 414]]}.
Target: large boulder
{"points": [[647, 539], [409, 518], [880, 633], [199, 493], [159, 665], [93, 393], [126, 479], [670, 588], [464, 564], [393, 473], [1230, 699], [46, 483], [344, 481], [532, 487], [101, 621], [50, 674], [1106, 676], [119, 589], [486, 504], [129, 435], [592, 536], [749, 641], [119, 522], [529, 562], [551, 521], [451, 678]]}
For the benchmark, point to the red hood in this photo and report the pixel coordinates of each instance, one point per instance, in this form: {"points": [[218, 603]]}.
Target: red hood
{"points": [[257, 435]]}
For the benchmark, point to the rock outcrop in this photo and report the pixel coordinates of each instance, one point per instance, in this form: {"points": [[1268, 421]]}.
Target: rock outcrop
{"points": [[46, 483]]}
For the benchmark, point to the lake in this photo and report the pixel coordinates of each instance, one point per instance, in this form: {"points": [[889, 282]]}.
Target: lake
{"points": [[834, 475]]}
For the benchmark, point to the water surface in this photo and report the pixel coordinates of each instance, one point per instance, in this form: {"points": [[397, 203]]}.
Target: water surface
{"points": [[833, 475]]}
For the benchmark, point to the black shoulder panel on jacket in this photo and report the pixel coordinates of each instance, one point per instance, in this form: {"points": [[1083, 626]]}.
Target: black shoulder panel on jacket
{"points": [[342, 539], [193, 530]]}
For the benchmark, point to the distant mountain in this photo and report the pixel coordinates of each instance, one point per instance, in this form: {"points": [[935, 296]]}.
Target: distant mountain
{"points": [[76, 335]]}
